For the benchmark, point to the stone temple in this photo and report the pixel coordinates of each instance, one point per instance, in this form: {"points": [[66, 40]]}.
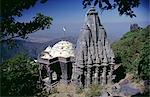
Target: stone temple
{"points": [[92, 61], [94, 58], [55, 64]]}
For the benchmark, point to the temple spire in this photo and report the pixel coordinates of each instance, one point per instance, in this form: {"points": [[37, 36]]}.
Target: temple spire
{"points": [[93, 49]]}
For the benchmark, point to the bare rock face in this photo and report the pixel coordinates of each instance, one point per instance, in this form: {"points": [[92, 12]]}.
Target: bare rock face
{"points": [[134, 27], [92, 45]]}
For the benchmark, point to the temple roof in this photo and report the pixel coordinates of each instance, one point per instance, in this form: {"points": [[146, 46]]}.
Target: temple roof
{"points": [[63, 49]]}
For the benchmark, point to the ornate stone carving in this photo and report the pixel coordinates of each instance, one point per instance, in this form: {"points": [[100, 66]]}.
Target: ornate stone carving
{"points": [[94, 48]]}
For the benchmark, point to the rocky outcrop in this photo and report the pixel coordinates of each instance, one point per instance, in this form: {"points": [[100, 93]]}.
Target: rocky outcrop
{"points": [[134, 27]]}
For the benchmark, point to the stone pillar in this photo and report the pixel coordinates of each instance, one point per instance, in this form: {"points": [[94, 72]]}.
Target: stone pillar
{"points": [[80, 82], [92, 75], [110, 75], [100, 75], [85, 80], [76, 74], [49, 73], [104, 76], [88, 76], [80, 78], [96, 74]]}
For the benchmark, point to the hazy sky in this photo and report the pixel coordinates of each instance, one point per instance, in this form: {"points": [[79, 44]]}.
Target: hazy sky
{"points": [[70, 13]]}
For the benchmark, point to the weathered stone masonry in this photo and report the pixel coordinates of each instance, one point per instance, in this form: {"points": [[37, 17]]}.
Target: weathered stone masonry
{"points": [[94, 60]]}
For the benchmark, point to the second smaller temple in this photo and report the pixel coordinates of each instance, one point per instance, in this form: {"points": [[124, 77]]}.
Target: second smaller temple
{"points": [[55, 64]]}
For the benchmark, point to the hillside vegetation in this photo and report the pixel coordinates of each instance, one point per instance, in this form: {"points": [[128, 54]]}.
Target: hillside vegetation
{"points": [[133, 52], [19, 76]]}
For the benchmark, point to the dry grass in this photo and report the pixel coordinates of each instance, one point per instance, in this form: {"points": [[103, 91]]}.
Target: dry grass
{"points": [[70, 90], [64, 90], [93, 90]]}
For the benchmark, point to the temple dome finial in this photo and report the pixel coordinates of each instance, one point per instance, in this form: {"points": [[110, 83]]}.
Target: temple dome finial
{"points": [[92, 11]]}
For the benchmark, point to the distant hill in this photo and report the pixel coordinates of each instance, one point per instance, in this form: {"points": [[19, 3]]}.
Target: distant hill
{"points": [[133, 52], [32, 49]]}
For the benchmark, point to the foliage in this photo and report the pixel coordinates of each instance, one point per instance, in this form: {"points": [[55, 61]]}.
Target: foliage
{"points": [[124, 6], [10, 28], [19, 76], [133, 52], [120, 73]]}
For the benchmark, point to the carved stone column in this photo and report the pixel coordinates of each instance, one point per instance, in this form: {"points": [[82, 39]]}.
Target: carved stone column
{"points": [[74, 75], [104, 76], [96, 74], [49, 73], [80, 82], [80, 78], [77, 76], [110, 75], [85, 80], [92, 75], [88, 75], [100, 75]]}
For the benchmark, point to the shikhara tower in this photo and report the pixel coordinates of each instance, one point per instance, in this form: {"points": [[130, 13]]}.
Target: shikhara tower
{"points": [[94, 59]]}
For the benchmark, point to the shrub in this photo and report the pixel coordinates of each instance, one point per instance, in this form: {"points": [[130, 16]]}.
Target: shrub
{"points": [[19, 77]]}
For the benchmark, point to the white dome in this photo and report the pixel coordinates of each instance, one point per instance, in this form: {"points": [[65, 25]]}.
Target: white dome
{"points": [[48, 49], [62, 49]]}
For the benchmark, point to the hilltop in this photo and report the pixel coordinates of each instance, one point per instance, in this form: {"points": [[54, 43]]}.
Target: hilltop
{"points": [[133, 52]]}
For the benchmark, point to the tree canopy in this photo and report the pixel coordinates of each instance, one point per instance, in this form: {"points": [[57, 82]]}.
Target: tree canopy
{"points": [[10, 28], [19, 76], [132, 51], [123, 6]]}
